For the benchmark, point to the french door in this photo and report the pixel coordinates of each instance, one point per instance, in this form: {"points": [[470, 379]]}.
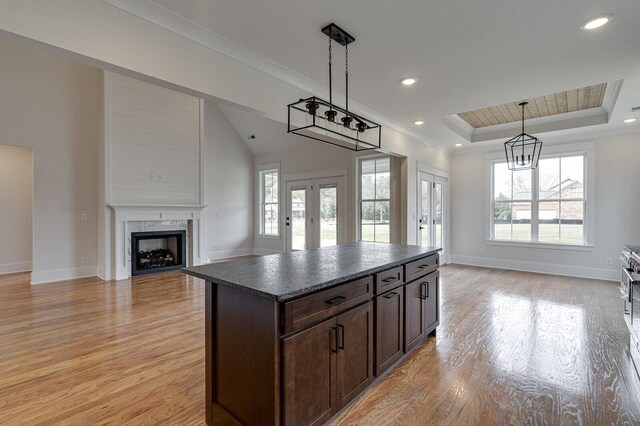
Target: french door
{"points": [[313, 213], [432, 226]]}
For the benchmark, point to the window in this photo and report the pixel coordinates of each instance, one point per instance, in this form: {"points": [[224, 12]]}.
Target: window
{"points": [[375, 195], [544, 205], [269, 202]]}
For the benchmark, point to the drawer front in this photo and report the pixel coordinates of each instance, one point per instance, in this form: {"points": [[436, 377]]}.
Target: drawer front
{"points": [[389, 279], [312, 309], [421, 267]]}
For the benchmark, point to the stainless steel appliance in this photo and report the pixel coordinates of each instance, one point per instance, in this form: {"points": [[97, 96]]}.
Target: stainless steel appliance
{"points": [[630, 292]]}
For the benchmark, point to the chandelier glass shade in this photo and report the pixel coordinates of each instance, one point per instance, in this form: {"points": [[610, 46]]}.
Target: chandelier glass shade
{"points": [[523, 151], [322, 120]]}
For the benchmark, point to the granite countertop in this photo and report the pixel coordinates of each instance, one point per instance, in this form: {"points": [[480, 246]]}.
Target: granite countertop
{"points": [[285, 276]]}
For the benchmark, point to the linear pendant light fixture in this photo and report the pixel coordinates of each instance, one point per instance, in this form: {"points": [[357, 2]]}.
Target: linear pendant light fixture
{"points": [[523, 151], [315, 118]]}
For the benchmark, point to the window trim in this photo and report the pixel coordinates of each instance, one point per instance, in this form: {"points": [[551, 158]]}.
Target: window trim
{"points": [[261, 170], [570, 150], [359, 198]]}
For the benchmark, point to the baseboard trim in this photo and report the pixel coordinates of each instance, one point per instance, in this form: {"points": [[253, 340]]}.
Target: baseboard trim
{"points": [[44, 277], [265, 252], [541, 268], [224, 254], [11, 268]]}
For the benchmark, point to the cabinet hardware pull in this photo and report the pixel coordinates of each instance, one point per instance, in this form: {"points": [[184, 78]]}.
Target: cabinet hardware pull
{"points": [[334, 339], [423, 266], [425, 290], [390, 295], [341, 332], [336, 300], [391, 280]]}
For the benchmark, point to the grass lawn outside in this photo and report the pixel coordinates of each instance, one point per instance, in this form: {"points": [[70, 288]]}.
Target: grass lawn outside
{"points": [[548, 233]]}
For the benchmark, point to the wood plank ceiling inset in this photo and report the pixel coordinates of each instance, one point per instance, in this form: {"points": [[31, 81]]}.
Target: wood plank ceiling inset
{"points": [[540, 106]]}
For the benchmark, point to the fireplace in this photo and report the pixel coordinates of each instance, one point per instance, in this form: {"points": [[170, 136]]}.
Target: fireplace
{"points": [[158, 251]]}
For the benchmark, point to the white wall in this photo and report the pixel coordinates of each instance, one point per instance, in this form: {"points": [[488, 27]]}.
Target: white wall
{"points": [[228, 188], [617, 204], [51, 105], [16, 196]]}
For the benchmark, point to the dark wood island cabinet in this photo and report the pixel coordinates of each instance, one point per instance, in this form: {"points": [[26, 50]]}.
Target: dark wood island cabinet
{"points": [[293, 338]]}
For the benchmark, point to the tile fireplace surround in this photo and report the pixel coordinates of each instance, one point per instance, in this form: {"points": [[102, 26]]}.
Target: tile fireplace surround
{"points": [[131, 218]]}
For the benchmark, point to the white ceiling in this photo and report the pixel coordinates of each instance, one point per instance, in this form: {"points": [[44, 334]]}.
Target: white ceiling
{"points": [[465, 54]]}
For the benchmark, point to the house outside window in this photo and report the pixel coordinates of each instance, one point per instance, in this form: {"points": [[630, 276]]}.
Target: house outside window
{"points": [[545, 205], [269, 204], [375, 199]]}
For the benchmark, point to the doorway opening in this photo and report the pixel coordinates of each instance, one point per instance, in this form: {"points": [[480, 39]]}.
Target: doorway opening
{"points": [[16, 199], [432, 214], [314, 213]]}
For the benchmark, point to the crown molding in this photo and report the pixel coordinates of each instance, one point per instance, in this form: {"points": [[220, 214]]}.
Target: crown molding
{"points": [[177, 24]]}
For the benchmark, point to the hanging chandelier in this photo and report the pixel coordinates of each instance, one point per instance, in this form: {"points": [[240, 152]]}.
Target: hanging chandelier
{"points": [[523, 151], [324, 121]]}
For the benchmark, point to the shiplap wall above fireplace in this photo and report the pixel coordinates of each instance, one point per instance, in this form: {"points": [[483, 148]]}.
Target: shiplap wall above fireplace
{"points": [[153, 144]]}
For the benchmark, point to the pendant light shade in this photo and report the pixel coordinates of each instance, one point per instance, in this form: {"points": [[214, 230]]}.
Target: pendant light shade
{"points": [[523, 151]]}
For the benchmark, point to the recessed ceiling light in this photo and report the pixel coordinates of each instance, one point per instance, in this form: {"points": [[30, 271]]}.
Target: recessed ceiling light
{"points": [[418, 122], [408, 81], [458, 145], [596, 22], [629, 120]]}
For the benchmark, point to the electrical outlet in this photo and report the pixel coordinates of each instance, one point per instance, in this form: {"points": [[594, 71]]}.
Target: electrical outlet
{"points": [[83, 216], [609, 261], [84, 260]]}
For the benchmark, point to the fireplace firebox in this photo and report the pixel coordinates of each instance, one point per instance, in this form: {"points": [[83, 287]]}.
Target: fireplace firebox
{"points": [[158, 251]]}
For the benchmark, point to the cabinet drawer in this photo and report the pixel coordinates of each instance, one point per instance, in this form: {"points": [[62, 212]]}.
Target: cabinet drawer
{"points": [[421, 267], [312, 309], [389, 279]]}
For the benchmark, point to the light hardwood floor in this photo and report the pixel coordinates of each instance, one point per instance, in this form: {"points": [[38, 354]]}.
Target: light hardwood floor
{"points": [[512, 348]]}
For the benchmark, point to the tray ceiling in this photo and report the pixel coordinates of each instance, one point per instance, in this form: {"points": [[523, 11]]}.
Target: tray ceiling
{"points": [[540, 106]]}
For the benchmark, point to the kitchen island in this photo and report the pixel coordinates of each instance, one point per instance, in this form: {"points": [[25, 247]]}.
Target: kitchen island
{"points": [[292, 338]]}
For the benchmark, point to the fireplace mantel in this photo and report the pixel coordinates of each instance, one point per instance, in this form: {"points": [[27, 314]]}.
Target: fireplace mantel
{"points": [[123, 214]]}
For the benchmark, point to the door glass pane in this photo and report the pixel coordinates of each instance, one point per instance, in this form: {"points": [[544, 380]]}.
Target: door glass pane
{"points": [[425, 219], [382, 233], [328, 216], [572, 222], [521, 219], [437, 214], [298, 218], [549, 219]]}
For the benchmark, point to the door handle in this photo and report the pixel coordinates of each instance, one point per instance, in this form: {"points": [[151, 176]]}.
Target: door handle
{"points": [[341, 338], [335, 301], [424, 294], [334, 339]]}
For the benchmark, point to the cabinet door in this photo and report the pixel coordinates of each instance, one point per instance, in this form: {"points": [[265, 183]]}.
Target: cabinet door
{"points": [[309, 375], [432, 299], [355, 352], [414, 313], [389, 328]]}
